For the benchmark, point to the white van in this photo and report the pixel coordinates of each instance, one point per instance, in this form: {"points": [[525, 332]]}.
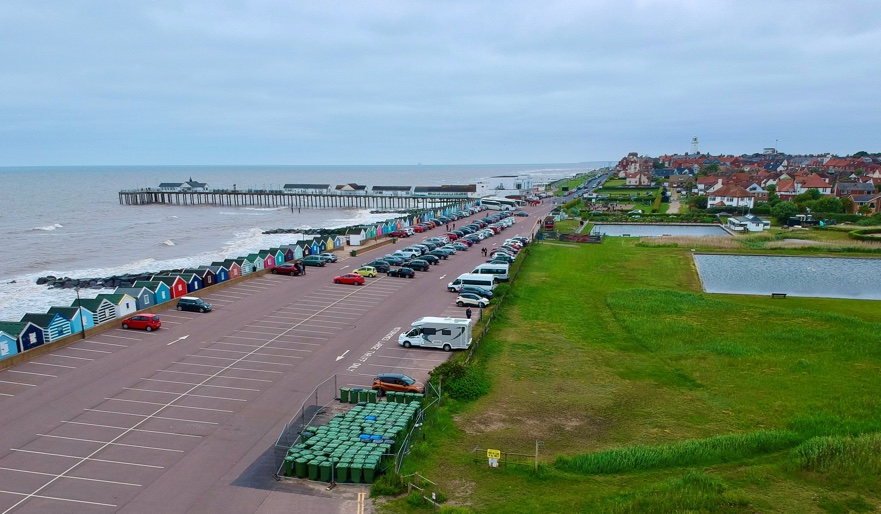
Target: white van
{"points": [[468, 279], [431, 332], [500, 271]]}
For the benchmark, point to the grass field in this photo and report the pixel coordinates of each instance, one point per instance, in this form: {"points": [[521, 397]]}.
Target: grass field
{"points": [[650, 396]]}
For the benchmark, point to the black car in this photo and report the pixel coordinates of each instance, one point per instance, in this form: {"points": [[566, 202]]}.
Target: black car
{"points": [[431, 259], [192, 303], [486, 293], [393, 260], [521, 213], [419, 265], [381, 265], [440, 254], [401, 272]]}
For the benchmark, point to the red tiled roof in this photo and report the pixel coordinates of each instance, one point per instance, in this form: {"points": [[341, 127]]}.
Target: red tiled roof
{"points": [[732, 190]]}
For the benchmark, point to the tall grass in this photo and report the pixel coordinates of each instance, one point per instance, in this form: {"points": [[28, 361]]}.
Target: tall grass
{"points": [[841, 454], [713, 450], [692, 492]]}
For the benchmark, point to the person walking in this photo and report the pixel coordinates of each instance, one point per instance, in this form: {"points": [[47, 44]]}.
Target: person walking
{"points": [[468, 313]]}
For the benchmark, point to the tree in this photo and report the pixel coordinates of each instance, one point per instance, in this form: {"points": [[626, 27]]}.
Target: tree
{"points": [[864, 209], [710, 168], [658, 165], [698, 202], [860, 154], [783, 211], [826, 204], [846, 204]]}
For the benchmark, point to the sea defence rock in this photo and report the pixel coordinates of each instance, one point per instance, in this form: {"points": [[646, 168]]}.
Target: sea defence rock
{"points": [[112, 282]]}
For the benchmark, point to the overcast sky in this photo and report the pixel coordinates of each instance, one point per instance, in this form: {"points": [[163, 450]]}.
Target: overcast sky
{"points": [[385, 82]]}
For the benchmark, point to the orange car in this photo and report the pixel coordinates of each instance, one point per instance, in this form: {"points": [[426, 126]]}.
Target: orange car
{"points": [[398, 383]]}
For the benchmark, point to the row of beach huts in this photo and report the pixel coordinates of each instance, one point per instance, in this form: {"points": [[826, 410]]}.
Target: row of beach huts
{"points": [[36, 329]]}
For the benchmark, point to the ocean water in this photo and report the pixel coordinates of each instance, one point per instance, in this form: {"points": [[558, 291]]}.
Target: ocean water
{"points": [[67, 221]]}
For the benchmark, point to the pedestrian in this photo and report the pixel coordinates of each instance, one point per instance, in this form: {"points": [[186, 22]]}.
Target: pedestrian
{"points": [[468, 313], [454, 226]]}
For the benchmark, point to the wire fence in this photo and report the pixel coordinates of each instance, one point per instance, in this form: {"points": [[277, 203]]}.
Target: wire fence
{"points": [[311, 411], [505, 458], [428, 414]]}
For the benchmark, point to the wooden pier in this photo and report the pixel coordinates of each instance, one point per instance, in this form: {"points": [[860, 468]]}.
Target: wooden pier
{"points": [[251, 198]]}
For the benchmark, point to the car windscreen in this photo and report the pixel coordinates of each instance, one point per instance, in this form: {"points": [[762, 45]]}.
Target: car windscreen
{"points": [[408, 380]]}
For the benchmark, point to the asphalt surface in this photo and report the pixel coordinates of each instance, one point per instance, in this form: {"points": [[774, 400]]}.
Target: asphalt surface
{"points": [[184, 419]]}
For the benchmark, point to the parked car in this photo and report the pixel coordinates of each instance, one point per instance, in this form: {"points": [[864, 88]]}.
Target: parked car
{"points": [[439, 254], [381, 265], [471, 300], [287, 268], [393, 260], [431, 259], [313, 260], [193, 304], [145, 321], [349, 278], [418, 265], [460, 246], [397, 382], [486, 293], [366, 271], [399, 233], [521, 214], [401, 272], [331, 257]]}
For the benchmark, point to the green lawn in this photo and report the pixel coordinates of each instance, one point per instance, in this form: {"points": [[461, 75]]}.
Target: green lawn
{"points": [[650, 396]]}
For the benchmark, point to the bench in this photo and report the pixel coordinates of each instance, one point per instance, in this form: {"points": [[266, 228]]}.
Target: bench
{"points": [[778, 295]]}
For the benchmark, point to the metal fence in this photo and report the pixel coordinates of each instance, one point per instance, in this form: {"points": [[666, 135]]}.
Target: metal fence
{"points": [[507, 458], [311, 411], [428, 414]]}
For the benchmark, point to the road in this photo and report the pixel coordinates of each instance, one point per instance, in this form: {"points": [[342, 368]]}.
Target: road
{"points": [[182, 419]]}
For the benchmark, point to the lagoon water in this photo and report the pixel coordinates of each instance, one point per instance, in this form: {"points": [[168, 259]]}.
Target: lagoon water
{"points": [[67, 221], [645, 230], [820, 277]]}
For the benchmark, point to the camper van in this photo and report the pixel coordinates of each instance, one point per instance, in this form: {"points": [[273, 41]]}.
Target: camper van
{"points": [[431, 332], [500, 271], [468, 279]]}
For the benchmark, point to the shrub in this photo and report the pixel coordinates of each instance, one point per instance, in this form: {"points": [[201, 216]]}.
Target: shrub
{"points": [[387, 484]]}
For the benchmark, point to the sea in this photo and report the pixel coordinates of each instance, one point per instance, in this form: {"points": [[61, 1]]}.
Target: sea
{"points": [[68, 222]]}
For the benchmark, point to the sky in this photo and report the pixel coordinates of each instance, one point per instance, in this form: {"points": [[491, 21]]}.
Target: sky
{"points": [[440, 82]]}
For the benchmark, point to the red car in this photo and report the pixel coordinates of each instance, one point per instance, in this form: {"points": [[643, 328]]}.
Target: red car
{"points": [[418, 229], [288, 268], [451, 236], [146, 321], [399, 233], [349, 278]]}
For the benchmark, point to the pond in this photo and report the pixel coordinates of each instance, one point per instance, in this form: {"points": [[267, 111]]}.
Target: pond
{"points": [[820, 277], [645, 230]]}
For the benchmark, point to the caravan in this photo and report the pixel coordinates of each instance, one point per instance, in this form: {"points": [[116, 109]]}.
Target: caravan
{"points": [[431, 332], [499, 271]]}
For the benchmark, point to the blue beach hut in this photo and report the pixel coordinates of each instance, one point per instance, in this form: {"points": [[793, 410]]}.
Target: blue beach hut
{"points": [[8, 345], [26, 334], [221, 274], [161, 291], [76, 316], [144, 298], [55, 326]]}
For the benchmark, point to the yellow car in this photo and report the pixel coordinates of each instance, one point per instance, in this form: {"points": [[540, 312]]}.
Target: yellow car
{"points": [[366, 271]]}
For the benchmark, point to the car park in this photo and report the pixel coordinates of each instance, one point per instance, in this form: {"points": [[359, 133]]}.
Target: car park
{"points": [[313, 260], [471, 300], [366, 271], [349, 278], [192, 304], [401, 272], [331, 257], [418, 265], [400, 383], [287, 268], [145, 321]]}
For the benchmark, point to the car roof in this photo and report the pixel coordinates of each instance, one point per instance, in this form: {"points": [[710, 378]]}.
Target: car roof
{"points": [[391, 375]]}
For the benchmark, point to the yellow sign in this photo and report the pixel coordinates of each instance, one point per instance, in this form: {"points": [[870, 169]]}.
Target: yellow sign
{"points": [[494, 454]]}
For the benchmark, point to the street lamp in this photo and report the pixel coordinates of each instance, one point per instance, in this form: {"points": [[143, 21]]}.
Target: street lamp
{"points": [[79, 305]]}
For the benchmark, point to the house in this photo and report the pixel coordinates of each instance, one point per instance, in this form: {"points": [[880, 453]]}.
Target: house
{"points": [[190, 186], [144, 298], [161, 291], [706, 185], [55, 326], [124, 304], [844, 189], [80, 319], [8, 345], [758, 193], [350, 189], [391, 190], [102, 309], [786, 189], [873, 201], [26, 334], [813, 181], [731, 195], [748, 223], [638, 178], [177, 286]]}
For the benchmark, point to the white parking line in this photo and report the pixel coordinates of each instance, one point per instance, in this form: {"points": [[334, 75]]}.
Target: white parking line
{"points": [[200, 385], [216, 366], [6, 394], [31, 373], [16, 383], [110, 443], [193, 395], [71, 477], [107, 344], [87, 350], [43, 497], [264, 347], [105, 334], [177, 316], [210, 375], [55, 365], [86, 459], [397, 366], [241, 359], [56, 354], [437, 361], [132, 429], [165, 406], [150, 416]]}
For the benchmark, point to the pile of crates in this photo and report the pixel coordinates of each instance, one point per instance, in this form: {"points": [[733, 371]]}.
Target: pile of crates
{"points": [[355, 446]]}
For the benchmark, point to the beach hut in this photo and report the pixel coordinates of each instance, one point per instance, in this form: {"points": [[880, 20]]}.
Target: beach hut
{"points": [[25, 333], [177, 286], [257, 262], [8, 345], [288, 252], [268, 258], [314, 247], [221, 274], [77, 317], [339, 241], [194, 282], [233, 267], [161, 291], [279, 255], [207, 276], [371, 231], [102, 309], [124, 304], [55, 326], [144, 298]]}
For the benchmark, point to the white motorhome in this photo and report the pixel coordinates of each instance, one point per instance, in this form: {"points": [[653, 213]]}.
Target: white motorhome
{"points": [[499, 271], [469, 279], [432, 332]]}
